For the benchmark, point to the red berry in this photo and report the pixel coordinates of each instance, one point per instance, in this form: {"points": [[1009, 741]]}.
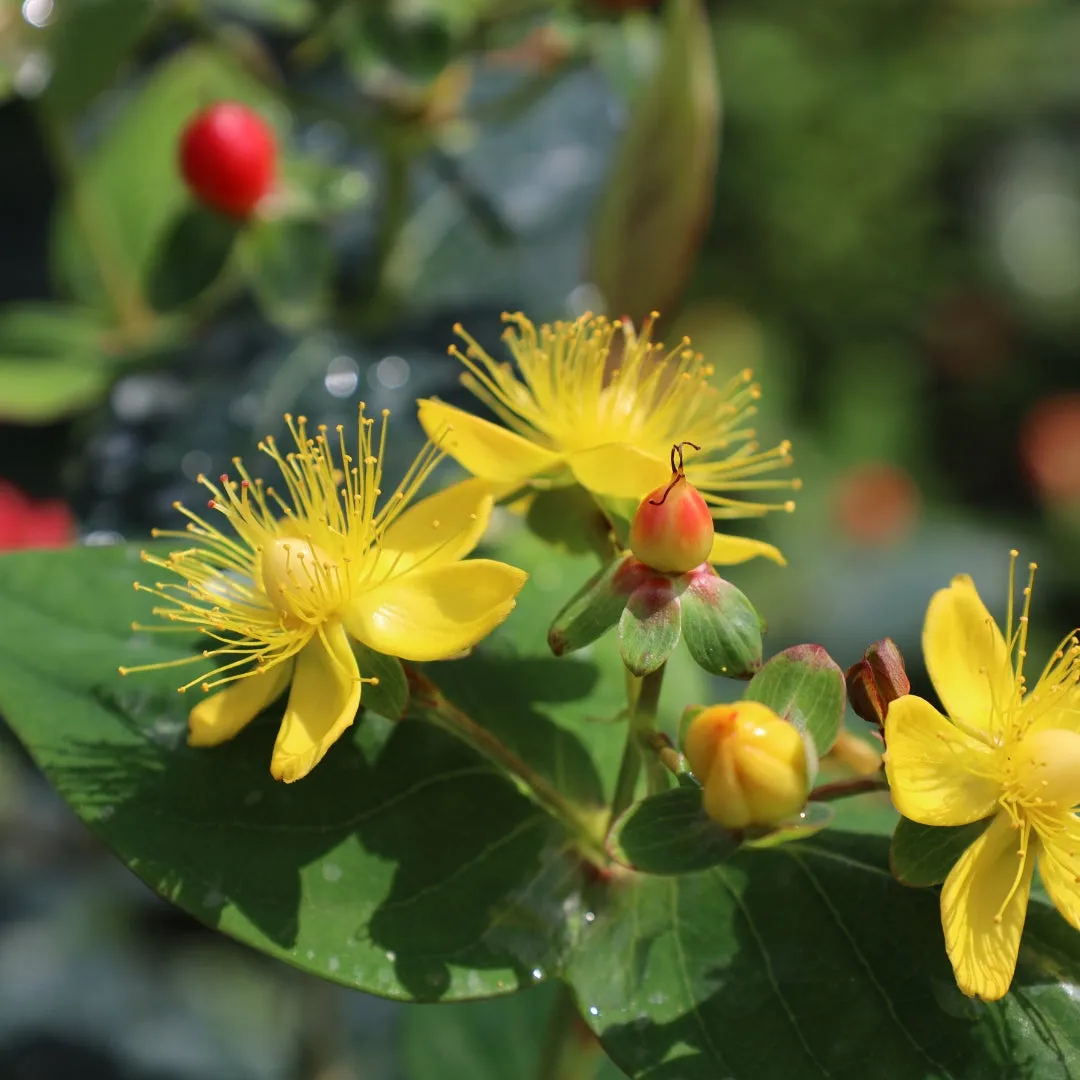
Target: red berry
{"points": [[672, 530], [228, 156]]}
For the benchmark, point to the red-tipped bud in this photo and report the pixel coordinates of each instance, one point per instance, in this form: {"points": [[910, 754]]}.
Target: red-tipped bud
{"points": [[672, 530]]}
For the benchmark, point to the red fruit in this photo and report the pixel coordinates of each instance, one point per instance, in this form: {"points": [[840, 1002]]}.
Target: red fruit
{"points": [[228, 156], [672, 530]]}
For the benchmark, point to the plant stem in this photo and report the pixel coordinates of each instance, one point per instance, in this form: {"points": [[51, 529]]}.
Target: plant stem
{"points": [[843, 789], [642, 721], [443, 714], [571, 1051]]}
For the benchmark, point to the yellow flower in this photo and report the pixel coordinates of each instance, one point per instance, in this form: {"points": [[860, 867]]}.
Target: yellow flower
{"points": [[1006, 753], [305, 569], [570, 418]]}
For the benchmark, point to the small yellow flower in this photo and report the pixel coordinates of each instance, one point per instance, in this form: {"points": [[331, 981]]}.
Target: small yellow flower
{"points": [[570, 418], [751, 764], [306, 568], [1006, 753]]}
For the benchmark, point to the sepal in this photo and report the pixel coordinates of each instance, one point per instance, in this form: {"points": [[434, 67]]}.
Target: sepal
{"points": [[595, 608], [651, 624]]}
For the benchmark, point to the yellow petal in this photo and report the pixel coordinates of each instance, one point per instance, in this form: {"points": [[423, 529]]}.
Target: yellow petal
{"points": [[323, 702], [219, 717], [1059, 867], [729, 550], [966, 655], [434, 614], [441, 529], [981, 945], [938, 775], [485, 449], [619, 470]]}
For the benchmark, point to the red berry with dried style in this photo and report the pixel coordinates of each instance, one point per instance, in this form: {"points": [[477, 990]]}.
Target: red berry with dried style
{"points": [[672, 530], [228, 156]]}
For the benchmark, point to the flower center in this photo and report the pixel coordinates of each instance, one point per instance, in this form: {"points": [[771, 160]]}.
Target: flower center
{"points": [[301, 580], [1046, 767]]}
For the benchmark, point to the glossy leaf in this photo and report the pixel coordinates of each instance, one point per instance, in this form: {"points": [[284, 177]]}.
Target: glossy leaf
{"points": [[658, 197], [405, 865], [650, 625], [289, 265], [717, 974], [924, 854], [804, 685], [389, 696], [721, 627], [669, 833]]}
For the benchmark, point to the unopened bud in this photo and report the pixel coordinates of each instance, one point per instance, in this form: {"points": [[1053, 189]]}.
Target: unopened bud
{"points": [[877, 679], [672, 530], [752, 764]]}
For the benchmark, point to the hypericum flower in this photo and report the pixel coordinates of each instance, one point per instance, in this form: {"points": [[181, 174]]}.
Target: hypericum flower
{"points": [[570, 418], [1006, 753], [314, 565]]}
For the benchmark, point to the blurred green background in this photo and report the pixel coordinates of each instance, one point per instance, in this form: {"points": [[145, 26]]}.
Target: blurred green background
{"points": [[890, 237]]}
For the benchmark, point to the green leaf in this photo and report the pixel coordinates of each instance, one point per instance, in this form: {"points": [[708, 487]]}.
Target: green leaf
{"points": [[130, 181], [389, 696], [719, 974], [405, 865], [721, 627], [289, 265], [670, 833], [52, 362], [650, 625], [811, 819], [88, 42], [804, 685], [658, 199], [191, 257], [924, 854], [596, 607]]}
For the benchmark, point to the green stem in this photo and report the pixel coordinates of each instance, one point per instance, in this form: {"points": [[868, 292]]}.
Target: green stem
{"points": [[843, 789], [571, 1051], [642, 722], [443, 714]]}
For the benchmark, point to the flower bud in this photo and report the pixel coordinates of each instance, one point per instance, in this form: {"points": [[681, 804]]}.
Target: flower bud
{"points": [[672, 530], [751, 764], [878, 678]]}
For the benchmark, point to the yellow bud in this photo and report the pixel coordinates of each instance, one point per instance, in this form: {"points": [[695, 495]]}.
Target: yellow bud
{"points": [[750, 763]]}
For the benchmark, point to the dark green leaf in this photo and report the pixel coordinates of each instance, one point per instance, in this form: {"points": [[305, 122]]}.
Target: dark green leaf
{"points": [[650, 625], [804, 685], [719, 974], [483, 1040], [289, 264], [924, 854], [656, 204], [193, 254], [669, 833], [88, 42], [595, 608], [390, 695], [404, 865], [721, 627]]}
